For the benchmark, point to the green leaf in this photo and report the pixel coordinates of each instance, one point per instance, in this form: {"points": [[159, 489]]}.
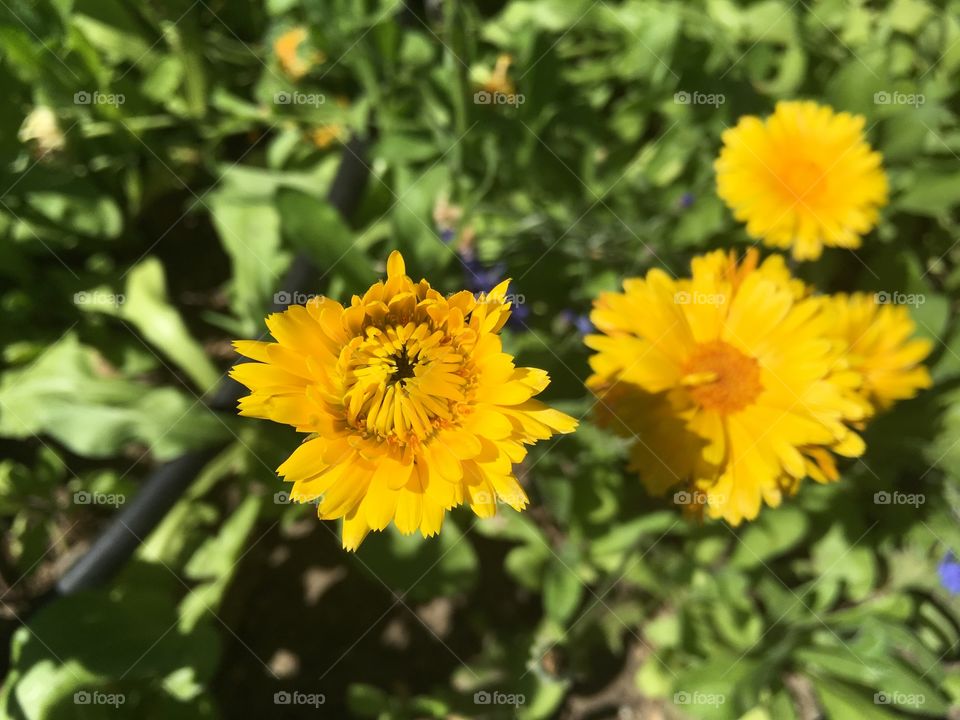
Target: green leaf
{"points": [[249, 229], [68, 394], [81, 213], [315, 226], [773, 533], [216, 557], [562, 590], [91, 640], [624, 536], [366, 700], [841, 700], [216, 560], [721, 688], [146, 307], [834, 558], [931, 192]]}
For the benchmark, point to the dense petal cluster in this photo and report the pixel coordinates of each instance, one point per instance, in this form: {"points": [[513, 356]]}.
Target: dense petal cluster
{"points": [[880, 347], [802, 178], [411, 405], [732, 382]]}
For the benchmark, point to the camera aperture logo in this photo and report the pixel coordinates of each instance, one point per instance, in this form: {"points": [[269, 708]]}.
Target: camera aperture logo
{"points": [[95, 297], [513, 299], [84, 497], [898, 498], [898, 298], [83, 97], [485, 498], [485, 97], [696, 497], [696, 97], [299, 98], [296, 697], [86, 697], [884, 97], [914, 700], [287, 298], [683, 297], [699, 698], [484, 697], [282, 497]]}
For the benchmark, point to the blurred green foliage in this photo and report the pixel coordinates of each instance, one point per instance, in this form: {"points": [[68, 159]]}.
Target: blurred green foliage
{"points": [[160, 171]]}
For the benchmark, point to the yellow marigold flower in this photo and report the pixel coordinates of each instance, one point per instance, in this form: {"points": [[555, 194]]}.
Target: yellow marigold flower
{"points": [[729, 381], [326, 135], [802, 178], [287, 48], [323, 136], [498, 81], [880, 347], [411, 405]]}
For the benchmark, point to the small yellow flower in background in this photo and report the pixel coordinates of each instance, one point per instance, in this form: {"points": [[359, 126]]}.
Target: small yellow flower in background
{"points": [[729, 381], [802, 178], [326, 135], [881, 347], [42, 128], [411, 405], [498, 80], [293, 60]]}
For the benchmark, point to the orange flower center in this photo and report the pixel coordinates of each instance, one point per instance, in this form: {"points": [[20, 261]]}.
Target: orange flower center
{"points": [[720, 377], [801, 181]]}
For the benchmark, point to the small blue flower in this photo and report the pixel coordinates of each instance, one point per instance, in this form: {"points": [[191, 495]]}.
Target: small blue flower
{"points": [[686, 200], [478, 277], [579, 321], [949, 571]]}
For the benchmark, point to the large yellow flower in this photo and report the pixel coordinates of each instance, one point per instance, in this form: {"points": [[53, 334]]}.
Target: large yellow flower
{"points": [[729, 381], [803, 177], [411, 405], [880, 346]]}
